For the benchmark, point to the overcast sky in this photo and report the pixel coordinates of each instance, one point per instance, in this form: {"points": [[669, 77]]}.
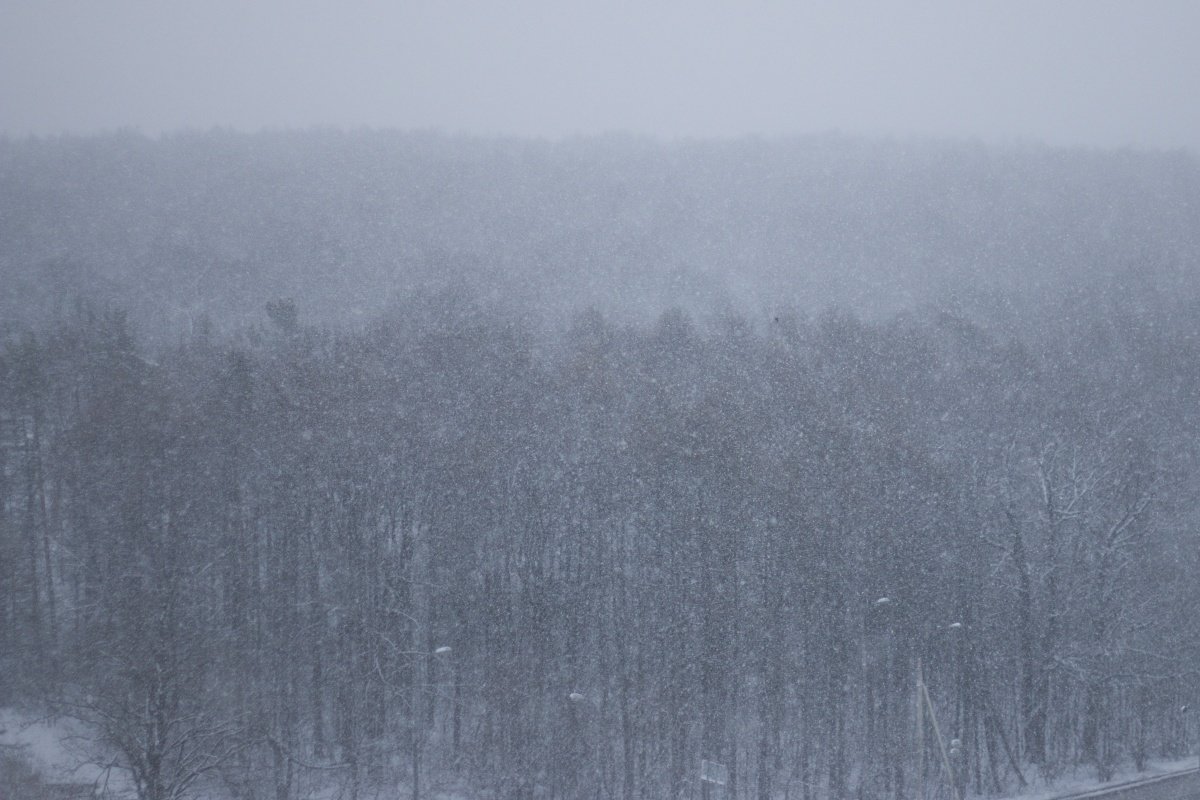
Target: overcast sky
{"points": [[1088, 72]]}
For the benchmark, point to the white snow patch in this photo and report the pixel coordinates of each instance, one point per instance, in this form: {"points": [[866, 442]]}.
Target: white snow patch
{"points": [[1084, 779], [58, 749]]}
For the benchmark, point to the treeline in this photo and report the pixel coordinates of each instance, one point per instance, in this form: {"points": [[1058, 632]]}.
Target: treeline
{"points": [[181, 227], [451, 546]]}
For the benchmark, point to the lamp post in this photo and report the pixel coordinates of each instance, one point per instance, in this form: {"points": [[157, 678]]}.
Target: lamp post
{"points": [[1184, 709], [415, 738], [579, 699], [878, 654]]}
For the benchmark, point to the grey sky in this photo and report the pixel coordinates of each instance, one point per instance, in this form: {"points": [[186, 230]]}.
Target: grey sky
{"points": [[1088, 71]]}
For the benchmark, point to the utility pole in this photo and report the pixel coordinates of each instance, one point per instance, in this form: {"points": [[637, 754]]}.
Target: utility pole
{"points": [[924, 703]]}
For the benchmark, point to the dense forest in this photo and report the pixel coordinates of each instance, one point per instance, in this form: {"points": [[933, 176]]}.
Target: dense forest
{"points": [[429, 531]]}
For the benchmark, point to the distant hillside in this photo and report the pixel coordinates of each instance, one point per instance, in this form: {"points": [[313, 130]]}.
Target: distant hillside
{"points": [[216, 224]]}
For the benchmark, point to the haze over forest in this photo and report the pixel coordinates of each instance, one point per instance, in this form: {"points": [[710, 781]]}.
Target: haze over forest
{"points": [[214, 225], [512, 459]]}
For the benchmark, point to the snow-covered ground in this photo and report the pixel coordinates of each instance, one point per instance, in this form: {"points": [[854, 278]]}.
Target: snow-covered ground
{"points": [[1083, 779], [60, 750], [56, 749]]}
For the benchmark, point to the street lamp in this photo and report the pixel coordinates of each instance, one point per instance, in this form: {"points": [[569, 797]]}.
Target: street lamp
{"points": [[416, 741], [1184, 709], [593, 731]]}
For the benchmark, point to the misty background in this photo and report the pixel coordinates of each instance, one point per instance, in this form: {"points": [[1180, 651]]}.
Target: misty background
{"points": [[1097, 73]]}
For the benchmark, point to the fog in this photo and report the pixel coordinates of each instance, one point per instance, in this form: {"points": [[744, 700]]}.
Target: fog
{"points": [[1090, 72], [556, 401]]}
